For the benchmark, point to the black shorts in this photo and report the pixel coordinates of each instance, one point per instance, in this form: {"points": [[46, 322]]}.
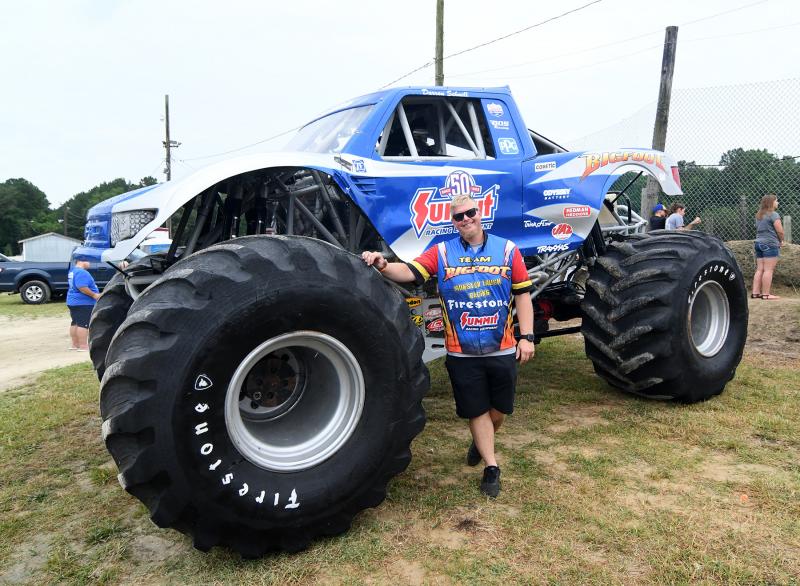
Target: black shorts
{"points": [[80, 315], [482, 382]]}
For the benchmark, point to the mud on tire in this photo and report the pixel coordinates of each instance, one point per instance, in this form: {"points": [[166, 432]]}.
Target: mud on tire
{"points": [[665, 316], [262, 392]]}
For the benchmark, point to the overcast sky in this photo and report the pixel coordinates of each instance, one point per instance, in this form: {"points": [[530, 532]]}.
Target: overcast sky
{"points": [[83, 81]]}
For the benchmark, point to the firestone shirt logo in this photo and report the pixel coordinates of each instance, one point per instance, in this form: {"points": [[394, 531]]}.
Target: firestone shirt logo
{"points": [[430, 206]]}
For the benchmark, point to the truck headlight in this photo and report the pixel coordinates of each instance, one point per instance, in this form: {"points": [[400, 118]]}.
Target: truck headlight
{"points": [[126, 224]]}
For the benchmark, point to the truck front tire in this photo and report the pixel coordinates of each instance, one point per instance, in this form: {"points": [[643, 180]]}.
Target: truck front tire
{"points": [[263, 392], [665, 316], [108, 314], [35, 292]]}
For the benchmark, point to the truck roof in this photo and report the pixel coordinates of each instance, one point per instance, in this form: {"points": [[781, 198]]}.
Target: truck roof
{"points": [[391, 93]]}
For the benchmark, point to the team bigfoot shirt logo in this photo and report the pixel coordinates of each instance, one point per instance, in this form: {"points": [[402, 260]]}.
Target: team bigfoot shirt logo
{"points": [[430, 206]]}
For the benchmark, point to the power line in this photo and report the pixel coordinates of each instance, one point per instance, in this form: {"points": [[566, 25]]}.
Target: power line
{"points": [[247, 146], [527, 28], [495, 40], [554, 57], [650, 48]]}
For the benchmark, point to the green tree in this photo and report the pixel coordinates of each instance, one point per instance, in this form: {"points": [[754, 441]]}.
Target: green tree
{"points": [[78, 205], [24, 212]]}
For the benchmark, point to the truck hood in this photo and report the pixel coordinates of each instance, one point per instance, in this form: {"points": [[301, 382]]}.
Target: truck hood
{"points": [[167, 198]]}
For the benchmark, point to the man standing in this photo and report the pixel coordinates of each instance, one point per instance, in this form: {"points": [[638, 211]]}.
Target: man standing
{"points": [[659, 217], [479, 276], [81, 297], [675, 220]]}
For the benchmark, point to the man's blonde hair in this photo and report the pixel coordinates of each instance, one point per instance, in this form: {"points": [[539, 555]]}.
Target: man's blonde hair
{"points": [[461, 200]]}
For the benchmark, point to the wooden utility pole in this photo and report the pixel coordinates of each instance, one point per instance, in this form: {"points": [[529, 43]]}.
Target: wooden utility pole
{"points": [[650, 192], [167, 141], [66, 211], [439, 80], [168, 145]]}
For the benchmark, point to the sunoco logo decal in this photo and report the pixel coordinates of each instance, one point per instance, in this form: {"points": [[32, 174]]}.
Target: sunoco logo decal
{"points": [[430, 206]]}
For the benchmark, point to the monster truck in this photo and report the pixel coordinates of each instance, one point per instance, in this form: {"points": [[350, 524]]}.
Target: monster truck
{"points": [[260, 385]]}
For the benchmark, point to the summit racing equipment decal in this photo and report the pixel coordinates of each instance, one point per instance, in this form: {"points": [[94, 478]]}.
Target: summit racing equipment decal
{"points": [[594, 161], [430, 206], [479, 321]]}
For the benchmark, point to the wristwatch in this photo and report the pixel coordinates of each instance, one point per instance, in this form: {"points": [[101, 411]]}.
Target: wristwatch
{"points": [[529, 337]]}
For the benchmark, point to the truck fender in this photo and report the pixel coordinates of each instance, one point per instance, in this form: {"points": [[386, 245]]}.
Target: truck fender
{"points": [[167, 198], [569, 188]]}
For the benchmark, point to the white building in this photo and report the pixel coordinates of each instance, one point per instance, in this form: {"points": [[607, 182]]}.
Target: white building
{"points": [[50, 247]]}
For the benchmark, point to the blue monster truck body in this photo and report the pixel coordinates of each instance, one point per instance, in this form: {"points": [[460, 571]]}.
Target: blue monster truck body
{"points": [[475, 141], [260, 385]]}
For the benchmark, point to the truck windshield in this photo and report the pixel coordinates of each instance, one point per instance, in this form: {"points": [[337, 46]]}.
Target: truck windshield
{"points": [[331, 133]]}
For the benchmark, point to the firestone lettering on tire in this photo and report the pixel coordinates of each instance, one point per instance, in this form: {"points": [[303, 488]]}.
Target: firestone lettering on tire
{"points": [[227, 479], [722, 269]]}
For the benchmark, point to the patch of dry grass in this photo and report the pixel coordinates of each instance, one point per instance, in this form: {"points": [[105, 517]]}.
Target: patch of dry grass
{"points": [[597, 488]]}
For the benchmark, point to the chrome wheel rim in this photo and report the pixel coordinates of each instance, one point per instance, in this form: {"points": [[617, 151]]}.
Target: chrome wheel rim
{"points": [[294, 401], [709, 318], [34, 293]]}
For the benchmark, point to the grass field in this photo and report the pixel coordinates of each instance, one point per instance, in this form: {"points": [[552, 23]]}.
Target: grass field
{"points": [[12, 306], [597, 488]]}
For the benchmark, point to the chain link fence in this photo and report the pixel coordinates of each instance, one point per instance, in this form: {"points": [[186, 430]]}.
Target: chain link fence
{"points": [[734, 144]]}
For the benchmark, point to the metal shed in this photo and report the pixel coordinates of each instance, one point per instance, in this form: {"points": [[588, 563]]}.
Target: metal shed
{"points": [[50, 247]]}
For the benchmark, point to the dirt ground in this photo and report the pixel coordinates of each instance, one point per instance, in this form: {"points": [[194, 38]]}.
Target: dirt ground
{"points": [[29, 346]]}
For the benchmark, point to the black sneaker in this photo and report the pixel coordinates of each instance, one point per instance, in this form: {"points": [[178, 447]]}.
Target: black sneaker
{"points": [[490, 485], [473, 455]]}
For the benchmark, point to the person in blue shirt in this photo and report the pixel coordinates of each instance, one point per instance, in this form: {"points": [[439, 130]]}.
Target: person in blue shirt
{"points": [[81, 297]]}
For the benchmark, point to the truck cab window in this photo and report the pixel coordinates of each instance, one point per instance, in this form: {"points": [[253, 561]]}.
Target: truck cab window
{"points": [[424, 127]]}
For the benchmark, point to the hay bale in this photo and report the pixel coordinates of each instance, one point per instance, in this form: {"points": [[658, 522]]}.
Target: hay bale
{"points": [[787, 273]]}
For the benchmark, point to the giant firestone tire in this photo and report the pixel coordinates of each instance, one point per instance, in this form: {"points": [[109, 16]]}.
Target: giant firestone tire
{"points": [[35, 292], [262, 392], [665, 316], [108, 314]]}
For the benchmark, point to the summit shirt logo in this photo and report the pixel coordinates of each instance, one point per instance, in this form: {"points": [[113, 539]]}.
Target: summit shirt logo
{"points": [[430, 206]]}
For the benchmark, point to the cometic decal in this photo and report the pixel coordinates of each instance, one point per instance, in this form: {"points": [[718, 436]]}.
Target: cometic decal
{"points": [[430, 206]]}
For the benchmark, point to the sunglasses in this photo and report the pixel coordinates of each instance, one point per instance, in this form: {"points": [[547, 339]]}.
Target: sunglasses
{"points": [[470, 213]]}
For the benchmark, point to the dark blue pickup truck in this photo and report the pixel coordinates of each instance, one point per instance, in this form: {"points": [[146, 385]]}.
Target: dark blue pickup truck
{"points": [[38, 282]]}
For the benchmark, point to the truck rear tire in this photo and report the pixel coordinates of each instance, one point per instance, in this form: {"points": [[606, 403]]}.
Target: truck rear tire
{"points": [[262, 392], [665, 316], [35, 292]]}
